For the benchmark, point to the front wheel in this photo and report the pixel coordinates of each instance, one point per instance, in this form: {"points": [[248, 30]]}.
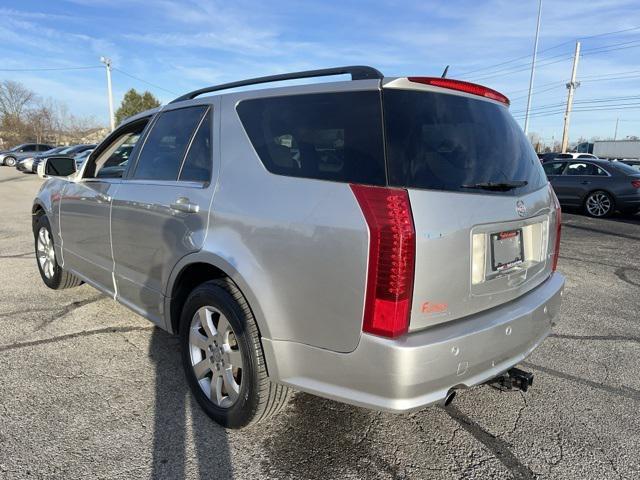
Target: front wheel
{"points": [[599, 204], [10, 161], [223, 359], [53, 275]]}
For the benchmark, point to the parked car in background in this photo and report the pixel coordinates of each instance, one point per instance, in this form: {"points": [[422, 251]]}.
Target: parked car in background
{"points": [[10, 157], [597, 186], [26, 164], [378, 241], [81, 157], [546, 157], [70, 151]]}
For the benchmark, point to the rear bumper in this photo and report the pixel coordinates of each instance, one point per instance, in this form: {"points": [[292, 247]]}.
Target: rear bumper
{"points": [[628, 201], [420, 368]]}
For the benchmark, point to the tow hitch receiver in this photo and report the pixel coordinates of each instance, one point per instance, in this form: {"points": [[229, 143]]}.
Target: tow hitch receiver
{"points": [[514, 378]]}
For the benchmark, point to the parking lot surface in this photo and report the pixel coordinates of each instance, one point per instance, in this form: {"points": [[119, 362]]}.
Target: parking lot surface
{"points": [[89, 389]]}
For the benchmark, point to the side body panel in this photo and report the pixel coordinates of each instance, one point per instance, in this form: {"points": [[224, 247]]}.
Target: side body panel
{"points": [[150, 235], [84, 222], [300, 244]]}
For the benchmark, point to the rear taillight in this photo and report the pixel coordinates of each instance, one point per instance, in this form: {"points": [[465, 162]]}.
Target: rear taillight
{"points": [[635, 183], [461, 86], [556, 247], [392, 247]]}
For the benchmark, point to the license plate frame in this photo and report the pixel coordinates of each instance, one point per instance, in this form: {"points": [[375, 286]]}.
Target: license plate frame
{"points": [[507, 249]]}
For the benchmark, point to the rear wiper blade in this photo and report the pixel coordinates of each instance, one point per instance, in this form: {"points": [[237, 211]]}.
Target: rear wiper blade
{"points": [[500, 186]]}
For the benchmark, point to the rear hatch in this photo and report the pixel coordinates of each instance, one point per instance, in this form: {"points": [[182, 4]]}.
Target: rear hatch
{"points": [[483, 213]]}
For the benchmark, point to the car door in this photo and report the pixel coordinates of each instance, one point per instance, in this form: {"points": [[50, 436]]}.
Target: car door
{"points": [[160, 211], [554, 170], [85, 210], [581, 178]]}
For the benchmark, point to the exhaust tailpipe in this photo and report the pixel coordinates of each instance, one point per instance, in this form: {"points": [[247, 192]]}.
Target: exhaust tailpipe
{"points": [[451, 394]]}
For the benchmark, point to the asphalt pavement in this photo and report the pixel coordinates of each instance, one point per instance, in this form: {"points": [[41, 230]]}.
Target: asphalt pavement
{"points": [[89, 389]]}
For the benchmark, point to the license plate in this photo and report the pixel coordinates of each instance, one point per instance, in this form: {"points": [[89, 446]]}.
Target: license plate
{"points": [[506, 249]]}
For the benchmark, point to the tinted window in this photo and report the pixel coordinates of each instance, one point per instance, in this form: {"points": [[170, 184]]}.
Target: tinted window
{"points": [[335, 136], [197, 165], [442, 142], [564, 155], [554, 168], [630, 168], [584, 169], [586, 156], [166, 144], [30, 148]]}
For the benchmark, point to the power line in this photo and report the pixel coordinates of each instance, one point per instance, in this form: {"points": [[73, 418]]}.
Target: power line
{"points": [[490, 67], [144, 81], [46, 69]]}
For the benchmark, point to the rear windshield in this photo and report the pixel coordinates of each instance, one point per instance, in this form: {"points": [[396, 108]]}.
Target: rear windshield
{"points": [[325, 136], [445, 142], [623, 167]]}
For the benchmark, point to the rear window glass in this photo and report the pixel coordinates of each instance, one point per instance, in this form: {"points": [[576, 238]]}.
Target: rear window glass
{"points": [[336, 136], [442, 142], [632, 169]]}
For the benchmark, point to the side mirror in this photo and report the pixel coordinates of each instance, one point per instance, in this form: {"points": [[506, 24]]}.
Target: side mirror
{"points": [[57, 167]]}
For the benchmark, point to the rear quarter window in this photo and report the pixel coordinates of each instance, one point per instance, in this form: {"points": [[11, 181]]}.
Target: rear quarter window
{"points": [[325, 136], [442, 142]]}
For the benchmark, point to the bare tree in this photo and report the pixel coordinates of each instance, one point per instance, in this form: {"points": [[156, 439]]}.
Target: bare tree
{"points": [[14, 98]]}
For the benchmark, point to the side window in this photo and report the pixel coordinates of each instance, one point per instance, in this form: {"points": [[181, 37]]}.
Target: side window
{"points": [[577, 169], [198, 163], [166, 144], [586, 156], [599, 171], [29, 148], [553, 168], [112, 160], [335, 136]]}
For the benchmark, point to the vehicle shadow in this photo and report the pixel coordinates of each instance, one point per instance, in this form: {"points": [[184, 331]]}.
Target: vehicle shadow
{"points": [[314, 438], [180, 429], [186, 442]]}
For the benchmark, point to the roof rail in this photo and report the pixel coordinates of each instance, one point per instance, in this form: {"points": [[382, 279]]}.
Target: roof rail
{"points": [[357, 72]]}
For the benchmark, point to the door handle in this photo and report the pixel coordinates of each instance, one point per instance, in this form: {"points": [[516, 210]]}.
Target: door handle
{"points": [[585, 182], [183, 204], [103, 197]]}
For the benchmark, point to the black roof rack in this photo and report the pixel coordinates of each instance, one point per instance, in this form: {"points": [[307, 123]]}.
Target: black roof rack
{"points": [[357, 72]]}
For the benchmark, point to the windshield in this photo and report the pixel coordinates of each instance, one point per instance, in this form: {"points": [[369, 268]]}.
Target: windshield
{"points": [[455, 143]]}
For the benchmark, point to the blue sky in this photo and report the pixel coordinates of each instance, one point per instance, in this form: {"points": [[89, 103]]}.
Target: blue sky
{"points": [[179, 46]]}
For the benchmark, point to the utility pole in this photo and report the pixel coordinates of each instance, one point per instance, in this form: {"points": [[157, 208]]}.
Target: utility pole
{"points": [[107, 64], [615, 133], [572, 85], [533, 68]]}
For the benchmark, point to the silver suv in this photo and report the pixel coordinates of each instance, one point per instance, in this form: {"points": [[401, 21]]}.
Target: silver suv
{"points": [[378, 241]]}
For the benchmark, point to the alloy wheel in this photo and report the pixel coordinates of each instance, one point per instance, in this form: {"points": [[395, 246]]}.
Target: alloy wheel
{"points": [[46, 253], [215, 355], [598, 204]]}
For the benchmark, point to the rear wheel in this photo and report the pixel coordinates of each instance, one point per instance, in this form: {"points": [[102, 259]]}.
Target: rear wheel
{"points": [[10, 161], [599, 204], [223, 359], [53, 275]]}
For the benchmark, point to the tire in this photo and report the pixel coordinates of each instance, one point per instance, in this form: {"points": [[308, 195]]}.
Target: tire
{"points": [[10, 161], [599, 204], [257, 397], [53, 275]]}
